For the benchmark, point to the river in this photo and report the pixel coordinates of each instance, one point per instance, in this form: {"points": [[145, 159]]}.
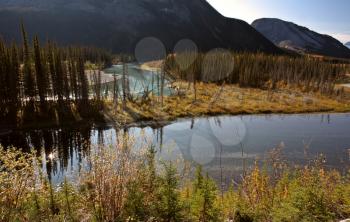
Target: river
{"points": [[224, 145]]}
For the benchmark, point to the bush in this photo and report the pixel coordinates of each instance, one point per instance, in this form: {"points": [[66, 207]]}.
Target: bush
{"points": [[123, 185]]}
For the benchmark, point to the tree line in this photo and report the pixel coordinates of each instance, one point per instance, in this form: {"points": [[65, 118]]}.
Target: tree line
{"points": [[36, 79], [258, 70]]}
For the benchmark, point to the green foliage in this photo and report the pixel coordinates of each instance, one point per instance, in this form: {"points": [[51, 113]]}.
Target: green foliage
{"points": [[136, 206], [141, 201], [313, 195], [204, 198], [158, 196], [169, 206]]}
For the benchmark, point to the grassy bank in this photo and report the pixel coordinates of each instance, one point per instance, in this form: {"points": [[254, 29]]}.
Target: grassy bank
{"points": [[206, 100], [124, 185], [213, 99]]}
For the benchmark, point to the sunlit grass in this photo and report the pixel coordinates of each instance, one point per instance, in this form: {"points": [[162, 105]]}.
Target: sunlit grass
{"points": [[214, 99]]}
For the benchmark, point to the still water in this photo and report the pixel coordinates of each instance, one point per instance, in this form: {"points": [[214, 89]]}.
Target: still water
{"points": [[224, 145]]}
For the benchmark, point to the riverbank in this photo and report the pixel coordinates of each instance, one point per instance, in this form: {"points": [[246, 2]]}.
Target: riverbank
{"points": [[152, 65], [207, 100], [212, 99]]}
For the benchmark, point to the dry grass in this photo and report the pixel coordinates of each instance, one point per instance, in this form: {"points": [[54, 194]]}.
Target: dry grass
{"points": [[213, 99]]}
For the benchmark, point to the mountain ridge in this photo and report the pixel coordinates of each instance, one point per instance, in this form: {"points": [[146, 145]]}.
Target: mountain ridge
{"points": [[120, 24], [297, 38]]}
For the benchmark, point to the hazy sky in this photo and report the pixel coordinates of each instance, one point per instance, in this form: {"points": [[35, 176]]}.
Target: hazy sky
{"points": [[330, 17]]}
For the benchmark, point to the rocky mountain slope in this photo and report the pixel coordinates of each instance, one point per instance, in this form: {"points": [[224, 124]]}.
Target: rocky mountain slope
{"points": [[120, 24], [301, 39]]}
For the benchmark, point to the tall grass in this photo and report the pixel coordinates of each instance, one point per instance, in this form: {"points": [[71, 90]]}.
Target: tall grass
{"points": [[120, 183]]}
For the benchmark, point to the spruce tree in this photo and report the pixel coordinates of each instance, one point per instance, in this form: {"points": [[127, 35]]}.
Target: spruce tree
{"points": [[15, 84], [59, 76], [203, 205], [5, 69], [29, 80], [169, 205], [40, 73], [52, 69]]}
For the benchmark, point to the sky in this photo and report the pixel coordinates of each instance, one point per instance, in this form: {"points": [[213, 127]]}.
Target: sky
{"points": [[330, 17]]}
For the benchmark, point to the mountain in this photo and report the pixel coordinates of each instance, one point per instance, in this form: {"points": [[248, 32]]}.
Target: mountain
{"points": [[119, 24], [347, 44], [301, 39]]}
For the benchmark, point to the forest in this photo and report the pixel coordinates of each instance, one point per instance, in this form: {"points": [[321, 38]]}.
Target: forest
{"points": [[258, 70], [46, 82]]}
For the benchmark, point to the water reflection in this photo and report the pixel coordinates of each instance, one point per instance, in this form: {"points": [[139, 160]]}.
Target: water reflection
{"points": [[224, 145], [61, 147]]}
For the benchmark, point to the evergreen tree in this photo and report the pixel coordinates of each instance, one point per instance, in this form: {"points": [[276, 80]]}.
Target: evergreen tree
{"points": [[15, 84], [33, 74], [169, 205], [40, 72], [142, 200], [59, 77], [52, 69], [136, 206], [204, 198], [29, 80], [198, 183], [5, 65]]}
